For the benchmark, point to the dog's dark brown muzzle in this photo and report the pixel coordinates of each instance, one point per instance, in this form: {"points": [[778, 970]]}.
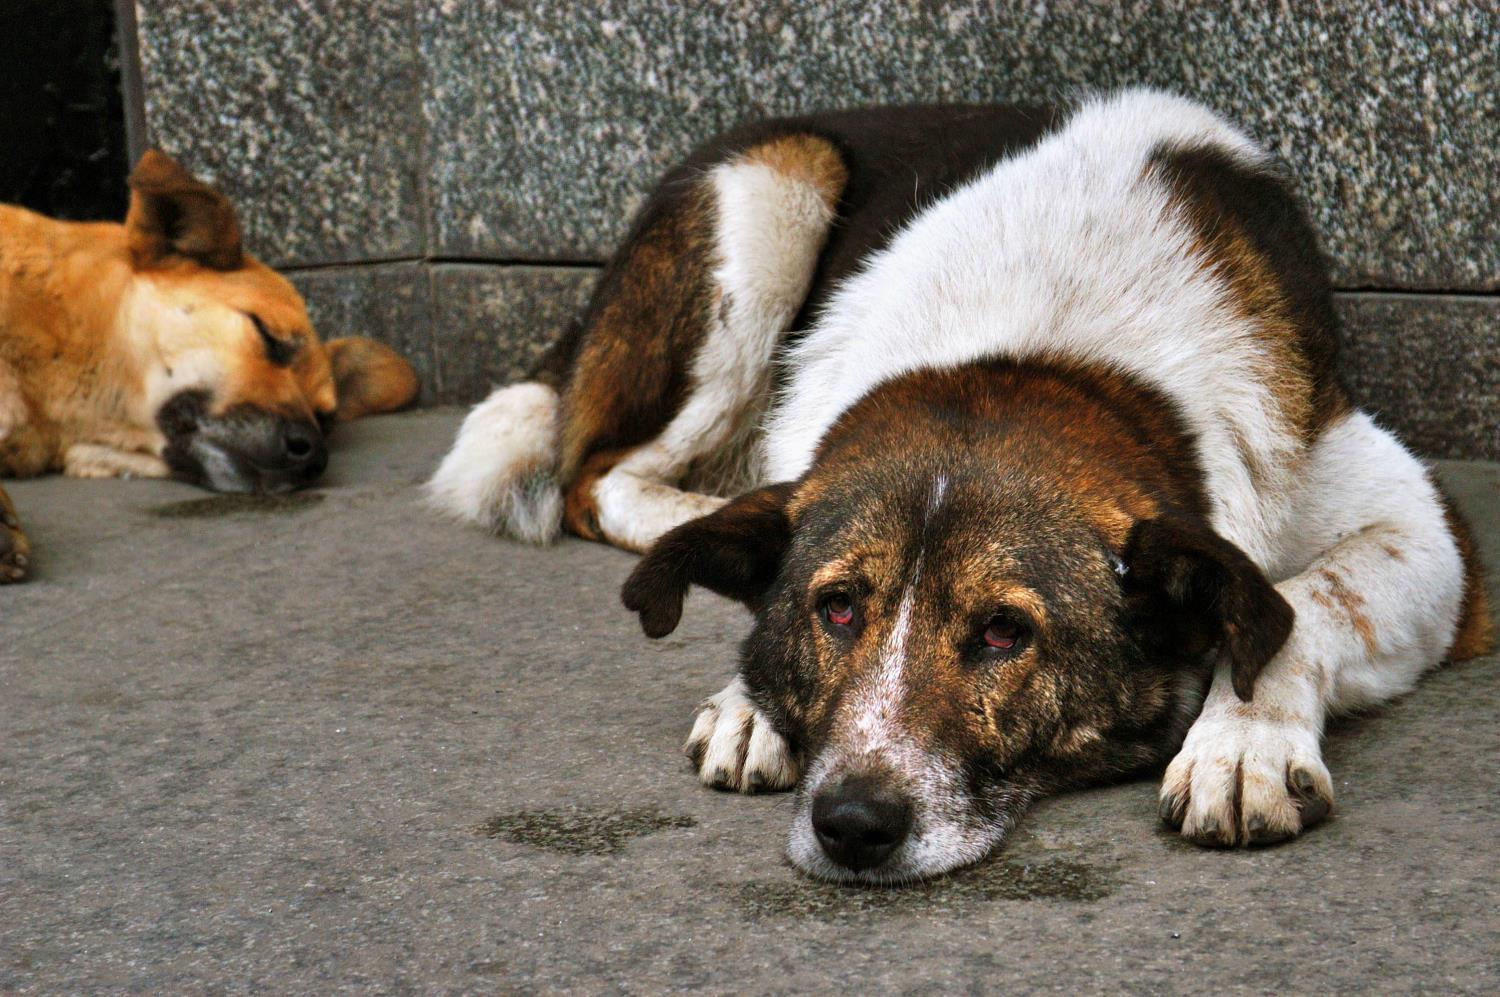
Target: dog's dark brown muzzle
{"points": [[244, 449]]}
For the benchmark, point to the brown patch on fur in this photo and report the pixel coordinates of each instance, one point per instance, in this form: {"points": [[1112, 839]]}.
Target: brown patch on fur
{"points": [[580, 506], [807, 159], [1118, 450], [1224, 250], [1253, 235], [1352, 605], [1475, 634], [646, 321], [651, 312]]}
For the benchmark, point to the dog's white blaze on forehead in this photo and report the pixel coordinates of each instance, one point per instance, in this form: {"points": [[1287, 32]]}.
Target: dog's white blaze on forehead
{"points": [[879, 698], [938, 494]]}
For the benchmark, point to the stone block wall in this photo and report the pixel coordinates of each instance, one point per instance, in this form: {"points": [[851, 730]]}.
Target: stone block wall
{"points": [[447, 175]]}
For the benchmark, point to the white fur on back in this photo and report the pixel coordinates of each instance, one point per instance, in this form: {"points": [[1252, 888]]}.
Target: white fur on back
{"points": [[1072, 248]]}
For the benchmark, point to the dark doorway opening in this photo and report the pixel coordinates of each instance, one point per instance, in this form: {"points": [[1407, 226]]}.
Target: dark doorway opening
{"points": [[62, 118]]}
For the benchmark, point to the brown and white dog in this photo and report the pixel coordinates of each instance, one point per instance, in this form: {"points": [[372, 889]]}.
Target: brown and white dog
{"points": [[159, 347], [1047, 474]]}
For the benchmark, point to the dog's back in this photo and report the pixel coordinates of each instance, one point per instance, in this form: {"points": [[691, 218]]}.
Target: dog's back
{"points": [[1138, 230], [1144, 234], [810, 259]]}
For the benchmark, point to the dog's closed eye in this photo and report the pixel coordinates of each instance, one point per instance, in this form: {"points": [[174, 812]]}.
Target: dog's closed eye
{"points": [[280, 352]]}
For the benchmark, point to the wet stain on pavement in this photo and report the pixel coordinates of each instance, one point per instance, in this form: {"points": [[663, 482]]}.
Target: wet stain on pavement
{"points": [[581, 831], [1054, 879], [489, 968], [215, 506]]}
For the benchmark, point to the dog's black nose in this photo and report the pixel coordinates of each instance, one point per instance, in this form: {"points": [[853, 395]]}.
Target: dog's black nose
{"points": [[305, 450], [860, 821]]}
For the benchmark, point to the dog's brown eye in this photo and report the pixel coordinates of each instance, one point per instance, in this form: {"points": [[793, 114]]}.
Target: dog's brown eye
{"points": [[838, 610], [1005, 635]]}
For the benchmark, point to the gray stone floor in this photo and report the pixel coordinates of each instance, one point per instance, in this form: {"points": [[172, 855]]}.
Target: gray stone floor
{"points": [[336, 744]]}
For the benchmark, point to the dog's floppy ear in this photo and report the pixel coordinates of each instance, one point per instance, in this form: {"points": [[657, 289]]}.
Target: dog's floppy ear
{"points": [[369, 377], [174, 214], [735, 551], [1188, 591]]}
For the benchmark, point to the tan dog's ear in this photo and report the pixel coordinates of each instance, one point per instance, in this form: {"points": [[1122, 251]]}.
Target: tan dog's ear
{"points": [[174, 214], [369, 377]]}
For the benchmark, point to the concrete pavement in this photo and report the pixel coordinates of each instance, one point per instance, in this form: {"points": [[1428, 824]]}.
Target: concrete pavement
{"points": [[334, 743]]}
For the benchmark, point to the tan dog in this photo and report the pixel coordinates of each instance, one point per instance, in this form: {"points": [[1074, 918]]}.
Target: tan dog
{"points": [[159, 348]]}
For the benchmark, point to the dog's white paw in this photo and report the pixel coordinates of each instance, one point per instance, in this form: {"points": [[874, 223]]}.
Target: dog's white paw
{"points": [[734, 747], [1244, 779]]}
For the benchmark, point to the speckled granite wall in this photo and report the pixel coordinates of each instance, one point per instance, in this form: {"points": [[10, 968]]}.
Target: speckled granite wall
{"points": [[307, 114], [1428, 367], [391, 302], [1390, 113], [479, 150], [497, 322]]}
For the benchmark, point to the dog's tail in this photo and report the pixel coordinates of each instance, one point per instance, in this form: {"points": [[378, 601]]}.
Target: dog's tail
{"points": [[502, 470]]}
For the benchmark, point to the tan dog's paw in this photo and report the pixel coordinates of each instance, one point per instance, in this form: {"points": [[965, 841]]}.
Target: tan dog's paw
{"points": [[733, 745], [92, 460], [1246, 781], [15, 552]]}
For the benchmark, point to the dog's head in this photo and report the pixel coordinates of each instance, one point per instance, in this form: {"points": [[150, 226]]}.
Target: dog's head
{"points": [[233, 375], [952, 621]]}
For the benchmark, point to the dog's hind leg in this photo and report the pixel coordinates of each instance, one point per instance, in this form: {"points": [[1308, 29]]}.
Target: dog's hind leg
{"points": [[15, 552], [761, 218], [672, 354]]}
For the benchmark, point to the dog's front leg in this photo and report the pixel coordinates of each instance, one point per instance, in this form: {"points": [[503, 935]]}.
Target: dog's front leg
{"points": [[1381, 604], [733, 745], [97, 460], [15, 552]]}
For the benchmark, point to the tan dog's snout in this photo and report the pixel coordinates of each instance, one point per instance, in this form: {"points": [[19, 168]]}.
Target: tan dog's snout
{"points": [[243, 449]]}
